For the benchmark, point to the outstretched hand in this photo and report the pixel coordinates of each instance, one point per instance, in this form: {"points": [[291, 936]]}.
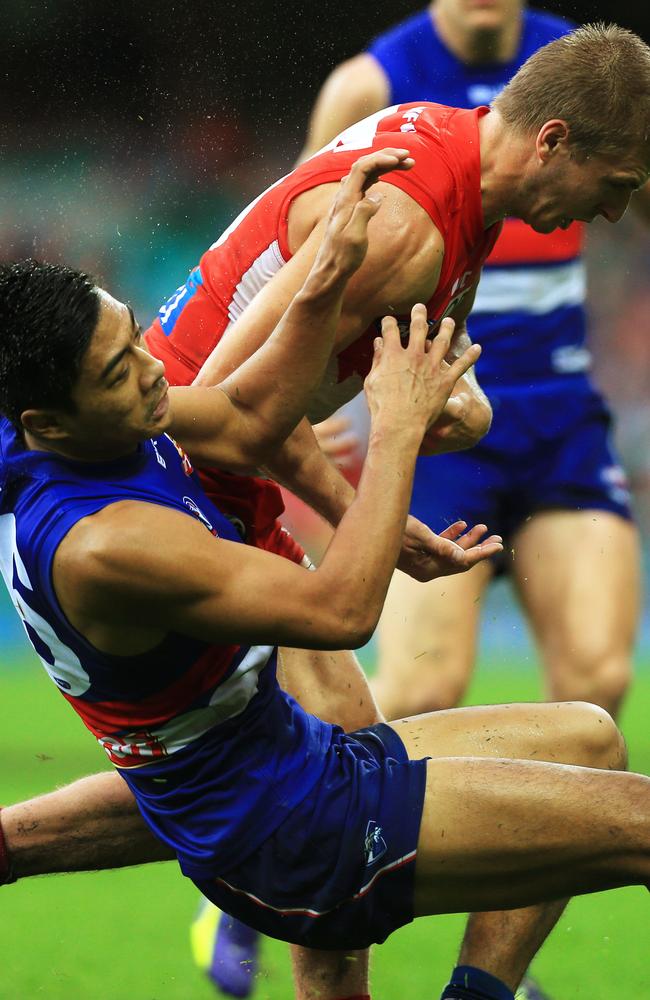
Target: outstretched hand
{"points": [[426, 555], [408, 381], [345, 242]]}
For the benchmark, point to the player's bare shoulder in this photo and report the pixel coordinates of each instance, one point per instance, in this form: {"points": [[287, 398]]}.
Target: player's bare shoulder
{"points": [[405, 248], [122, 566]]}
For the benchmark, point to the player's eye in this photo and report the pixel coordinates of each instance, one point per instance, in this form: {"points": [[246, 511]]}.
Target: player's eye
{"points": [[119, 378]]}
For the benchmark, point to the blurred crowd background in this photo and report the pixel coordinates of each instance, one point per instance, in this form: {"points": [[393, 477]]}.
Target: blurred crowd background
{"points": [[132, 133]]}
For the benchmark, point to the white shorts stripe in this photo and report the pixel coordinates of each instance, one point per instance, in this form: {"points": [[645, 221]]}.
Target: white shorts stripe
{"points": [[306, 911]]}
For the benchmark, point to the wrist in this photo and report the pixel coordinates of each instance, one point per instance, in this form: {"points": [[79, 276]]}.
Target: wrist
{"points": [[388, 432]]}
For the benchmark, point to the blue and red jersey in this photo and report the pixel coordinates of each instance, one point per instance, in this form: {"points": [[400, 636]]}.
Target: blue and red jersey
{"points": [[157, 713]]}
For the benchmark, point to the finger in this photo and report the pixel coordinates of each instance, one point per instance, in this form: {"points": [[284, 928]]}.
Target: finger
{"points": [[454, 530], [367, 169], [473, 536], [390, 333], [378, 349], [462, 364], [362, 213], [418, 329], [442, 341], [482, 552]]}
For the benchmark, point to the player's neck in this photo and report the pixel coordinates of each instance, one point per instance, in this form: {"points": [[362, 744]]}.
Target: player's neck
{"points": [[477, 47], [88, 453], [503, 168]]}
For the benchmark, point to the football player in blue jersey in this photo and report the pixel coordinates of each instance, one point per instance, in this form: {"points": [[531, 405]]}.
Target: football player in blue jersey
{"points": [[546, 473], [304, 832]]}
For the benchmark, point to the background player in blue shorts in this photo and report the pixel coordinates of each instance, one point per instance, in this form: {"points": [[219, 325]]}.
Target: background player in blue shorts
{"points": [[545, 475]]}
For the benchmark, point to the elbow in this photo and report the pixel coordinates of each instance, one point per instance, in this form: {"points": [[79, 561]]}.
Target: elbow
{"points": [[480, 420], [338, 621], [355, 626], [473, 425]]}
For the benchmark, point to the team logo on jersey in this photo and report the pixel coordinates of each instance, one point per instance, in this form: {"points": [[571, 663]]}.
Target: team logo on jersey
{"points": [[196, 510], [374, 844], [187, 465], [410, 116], [159, 458]]}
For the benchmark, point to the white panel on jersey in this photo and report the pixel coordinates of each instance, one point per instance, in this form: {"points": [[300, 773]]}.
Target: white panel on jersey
{"points": [[258, 274], [66, 670], [242, 215], [228, 700], [535, 290], [360, 135]]}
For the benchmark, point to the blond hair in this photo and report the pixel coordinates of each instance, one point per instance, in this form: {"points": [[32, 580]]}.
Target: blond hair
{"points": [[597, 79]]}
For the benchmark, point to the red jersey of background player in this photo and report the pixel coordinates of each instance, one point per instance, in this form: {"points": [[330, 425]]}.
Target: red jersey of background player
{"points": [[445, 181]]}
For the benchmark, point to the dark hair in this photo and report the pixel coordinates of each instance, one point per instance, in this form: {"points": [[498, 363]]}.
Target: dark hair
{"points": [[597, 79], [48, 313]]}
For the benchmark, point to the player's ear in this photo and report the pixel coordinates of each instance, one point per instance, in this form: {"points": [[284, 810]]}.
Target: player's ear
{"points": [[46, 425], [552, 139]]}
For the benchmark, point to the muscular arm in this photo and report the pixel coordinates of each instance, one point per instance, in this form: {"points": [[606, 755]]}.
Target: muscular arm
{"points": [[401, 267], [237, 426], [355, 89], [124, 592]]}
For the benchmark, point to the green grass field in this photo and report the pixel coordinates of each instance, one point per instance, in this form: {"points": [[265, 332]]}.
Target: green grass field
{"points": [[117, 935]]}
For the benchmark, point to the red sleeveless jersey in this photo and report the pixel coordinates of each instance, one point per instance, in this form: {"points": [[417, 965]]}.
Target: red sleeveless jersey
{"points": [[445, 181]]}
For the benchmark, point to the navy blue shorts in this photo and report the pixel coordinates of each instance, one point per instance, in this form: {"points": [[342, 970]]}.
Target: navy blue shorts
{"points": [[338, 873], [548, 448]]}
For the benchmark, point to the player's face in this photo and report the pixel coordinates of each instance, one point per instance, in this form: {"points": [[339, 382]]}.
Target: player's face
{"points": [[480, 15], [577, 188], [121, 396]]}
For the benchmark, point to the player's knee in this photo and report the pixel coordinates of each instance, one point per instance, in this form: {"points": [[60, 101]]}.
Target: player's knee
{"points": [[599, 741], [602, 680]]}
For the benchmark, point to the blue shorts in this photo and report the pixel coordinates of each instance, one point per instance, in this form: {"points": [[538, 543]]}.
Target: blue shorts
{"points": [[548, 448], [338, 873]]}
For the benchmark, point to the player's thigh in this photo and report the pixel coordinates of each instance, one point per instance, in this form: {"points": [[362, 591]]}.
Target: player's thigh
{"points": [[578, 576], [500, 834], [558, 732], [427, 638], [329, 684]]}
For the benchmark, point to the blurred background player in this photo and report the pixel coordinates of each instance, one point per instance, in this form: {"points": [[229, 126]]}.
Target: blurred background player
{"points": [[545, 475]]}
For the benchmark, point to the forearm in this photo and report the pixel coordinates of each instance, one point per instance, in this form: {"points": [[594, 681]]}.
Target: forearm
{"points": [[359, 562], [306, 331], [301, 467]]}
